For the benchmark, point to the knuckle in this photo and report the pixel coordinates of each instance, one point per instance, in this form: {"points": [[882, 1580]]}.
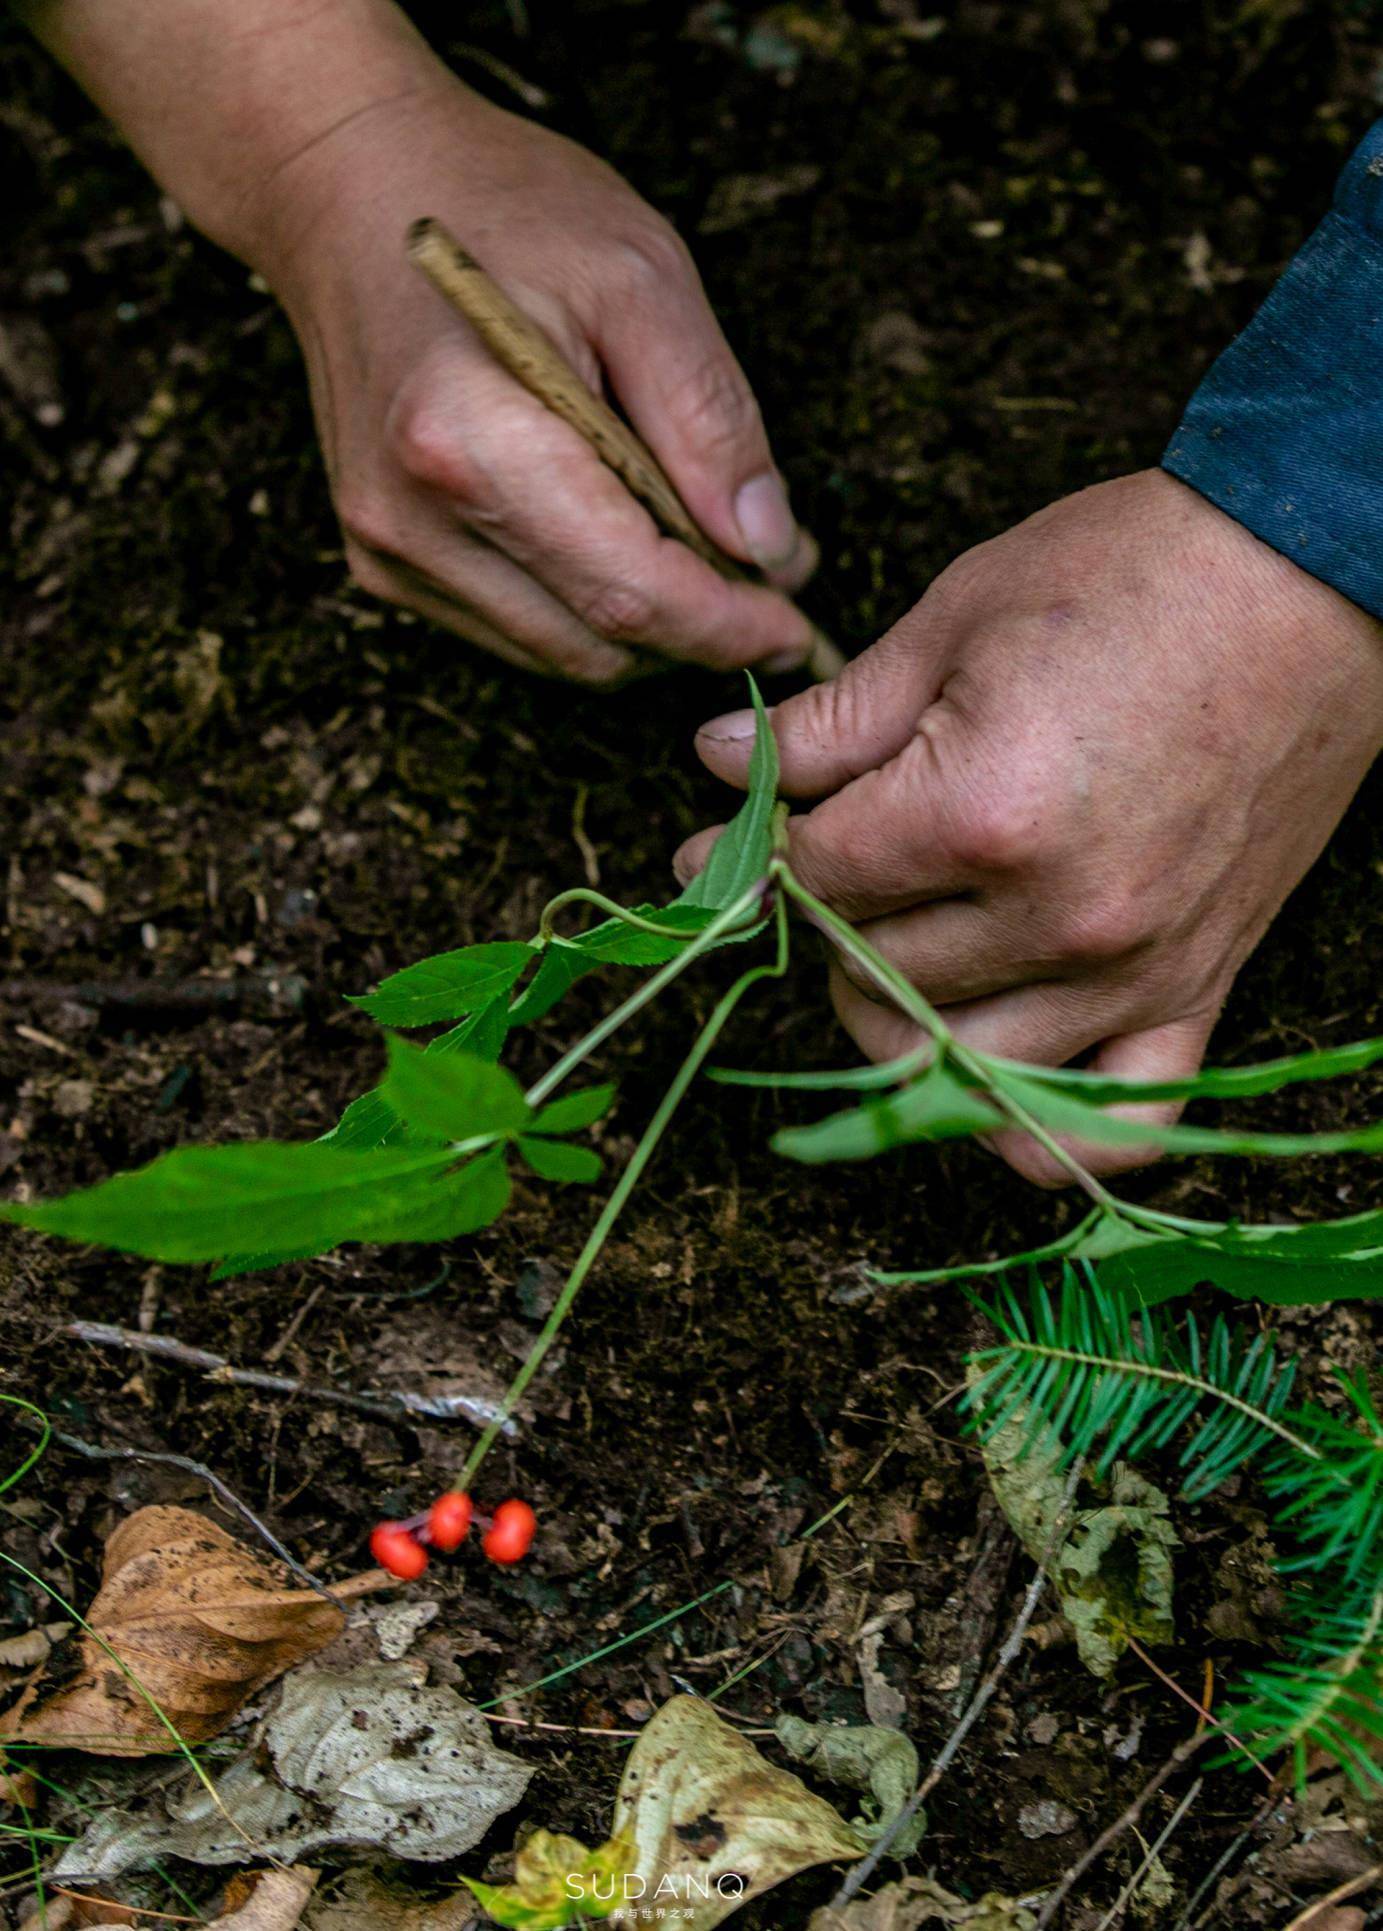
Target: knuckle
{"points": [[1109, 928], [715, 406], [368, 573], [648, 260], [622, 610], [365, 518], [1000, 832], [426, 447]]}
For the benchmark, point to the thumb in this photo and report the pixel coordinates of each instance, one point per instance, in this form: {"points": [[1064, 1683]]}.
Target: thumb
{"points": [[687, 396], [831, 734]]}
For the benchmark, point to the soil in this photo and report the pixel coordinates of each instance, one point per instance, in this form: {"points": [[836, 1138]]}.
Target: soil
{"points": [[999, 244]]}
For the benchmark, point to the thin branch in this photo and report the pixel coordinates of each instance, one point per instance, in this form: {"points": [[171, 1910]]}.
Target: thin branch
{"points": [[859, 1874], [97, 1452], [1120, 1904], [1124, 1821], [382, 1406], [1351, 1887]]}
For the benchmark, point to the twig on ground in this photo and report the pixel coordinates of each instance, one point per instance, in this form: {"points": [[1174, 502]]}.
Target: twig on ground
{"points": [[1226, 1858], [1120, 1904], [473, 1409], [859, 1874], [1124, 1821], [98, 1452], [268, 995], [1201, 1708], [1351, 1887]]}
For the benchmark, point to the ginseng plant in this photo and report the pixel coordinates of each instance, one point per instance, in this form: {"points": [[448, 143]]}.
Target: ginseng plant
{"points": [[426, 1156]]}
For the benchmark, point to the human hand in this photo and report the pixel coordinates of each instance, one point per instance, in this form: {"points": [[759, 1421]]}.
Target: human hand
{"points": [[460, 495], [1068, 792]]}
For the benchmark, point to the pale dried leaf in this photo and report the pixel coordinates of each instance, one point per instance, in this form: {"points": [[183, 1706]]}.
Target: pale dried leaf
{"points": [[364, 1904], [188, 1617], [917, 1901], [267, 1900], [712, 1816], [367, 1758], [31, 1646], [880, 1763]]}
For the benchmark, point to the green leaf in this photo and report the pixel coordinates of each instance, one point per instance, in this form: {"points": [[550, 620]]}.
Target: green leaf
{"points": [[1162, 1269], [739, 857], [1212, 1082], [198, 1203], [452, 1095], [482, 1034], [559, 1160], [446, 985], [574, 1110], [370, 1121], [939, 1106], [1061, 1112], [844, 1079], [564, 961]]}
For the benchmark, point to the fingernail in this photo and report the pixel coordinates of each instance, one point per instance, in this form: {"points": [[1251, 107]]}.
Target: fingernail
{"points": [[766, 521], [784, 661], [733, 728]]}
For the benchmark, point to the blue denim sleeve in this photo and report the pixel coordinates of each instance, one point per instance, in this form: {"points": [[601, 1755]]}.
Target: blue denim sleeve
{"points": [[1286, 431]]}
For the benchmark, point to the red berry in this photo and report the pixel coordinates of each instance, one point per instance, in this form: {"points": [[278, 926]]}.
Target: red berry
{"points": [[510, 1535], [449, 1520], [396, 1549]]}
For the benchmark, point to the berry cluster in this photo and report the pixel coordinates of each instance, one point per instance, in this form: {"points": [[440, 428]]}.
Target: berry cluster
{"points": [[401, 1547]]}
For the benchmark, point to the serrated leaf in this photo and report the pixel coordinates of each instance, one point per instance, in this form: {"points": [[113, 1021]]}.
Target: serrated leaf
{"points": [[559, 1160], [574, 1110], [564, 961], [370, 1121], [453, 1095], [939, 1106], [482, 1033], [447, 985], [739, 857], [197, 1203]]}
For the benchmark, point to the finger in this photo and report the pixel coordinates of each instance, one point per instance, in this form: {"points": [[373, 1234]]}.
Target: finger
{"points": [[955, 950], [687, 396], [833, 733], [1041, 1026], [527, 484], [1171, 1051], [488, 600]]}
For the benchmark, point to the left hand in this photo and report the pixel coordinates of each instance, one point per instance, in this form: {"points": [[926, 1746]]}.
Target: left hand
{"points": [[1067, 793]]}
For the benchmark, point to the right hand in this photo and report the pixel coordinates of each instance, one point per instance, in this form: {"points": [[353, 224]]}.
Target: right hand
{"points": [[460, 495]]}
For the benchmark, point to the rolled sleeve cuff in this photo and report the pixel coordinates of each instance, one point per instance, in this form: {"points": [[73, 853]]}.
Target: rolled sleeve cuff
{"points": [[1285, 433]]}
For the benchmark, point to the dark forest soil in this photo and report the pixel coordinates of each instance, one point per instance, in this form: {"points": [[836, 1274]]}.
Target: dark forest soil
{"points": [[1010, 239]]}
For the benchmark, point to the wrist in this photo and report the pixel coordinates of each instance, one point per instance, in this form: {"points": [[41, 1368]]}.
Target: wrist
{"points": [[1310, 646], [223, 105]]}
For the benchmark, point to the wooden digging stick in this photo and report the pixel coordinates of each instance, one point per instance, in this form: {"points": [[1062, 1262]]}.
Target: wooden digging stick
{"points": [[522, 348]]}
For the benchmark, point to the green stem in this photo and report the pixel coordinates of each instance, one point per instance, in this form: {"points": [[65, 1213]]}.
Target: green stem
{"points": [[632, 1174], [907, 998], [583, 895], [722, 923]]}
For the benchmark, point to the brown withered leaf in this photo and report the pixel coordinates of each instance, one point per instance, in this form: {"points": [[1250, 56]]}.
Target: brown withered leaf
{"points": [[185, 1615], [267, 1900]]}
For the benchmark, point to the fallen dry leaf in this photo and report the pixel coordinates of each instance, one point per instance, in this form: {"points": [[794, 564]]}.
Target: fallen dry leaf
{"points": [[188, 1617], [917, 1901], [712, 1821], [366, 1758], [267, 1900], [364, 1904]]}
